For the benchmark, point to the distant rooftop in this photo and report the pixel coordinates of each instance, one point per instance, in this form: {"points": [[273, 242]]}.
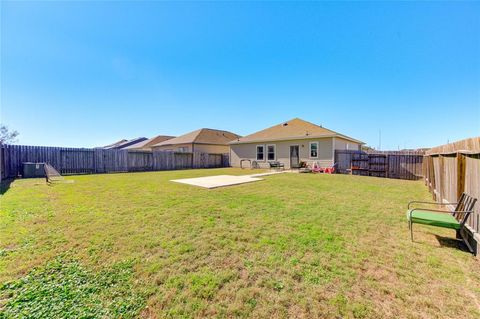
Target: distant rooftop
{"points": [[149, 142], [293, 129], [202, 136], [124, 143]]}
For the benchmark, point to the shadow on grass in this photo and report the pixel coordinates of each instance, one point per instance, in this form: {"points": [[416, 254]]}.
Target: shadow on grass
{"points": [[452, 243], [5, 185]]}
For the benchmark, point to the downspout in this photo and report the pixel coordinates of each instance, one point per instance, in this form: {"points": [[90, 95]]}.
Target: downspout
{"points": [[333, 151]]}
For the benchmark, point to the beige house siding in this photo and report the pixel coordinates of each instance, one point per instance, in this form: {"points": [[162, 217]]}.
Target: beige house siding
{"points": [[248, 151], [212, 148], [204, 148], [174, 147], [343, 144]]}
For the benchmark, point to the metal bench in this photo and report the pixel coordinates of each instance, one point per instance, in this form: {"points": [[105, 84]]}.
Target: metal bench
{"points": [[441, 218]]}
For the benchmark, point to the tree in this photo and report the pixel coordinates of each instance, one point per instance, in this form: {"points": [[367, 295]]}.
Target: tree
{"points": [[7, 136]]}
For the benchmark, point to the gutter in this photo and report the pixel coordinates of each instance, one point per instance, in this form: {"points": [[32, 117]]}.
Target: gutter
{"points": [[307, 137]]}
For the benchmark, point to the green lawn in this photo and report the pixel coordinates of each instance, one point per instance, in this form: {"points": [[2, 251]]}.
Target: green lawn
{"points": [[291, 246]]}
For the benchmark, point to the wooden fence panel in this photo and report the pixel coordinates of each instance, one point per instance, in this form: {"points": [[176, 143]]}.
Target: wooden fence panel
{"points": [[405, 166], [74, 161], [225, 160], [183, 160], [140, 161], [472, 187], [200, 160], [163, 160], [449, 178], [87, 161], [398, 164], [344, 160], [437, 177], [214, 160], [452, 169]]}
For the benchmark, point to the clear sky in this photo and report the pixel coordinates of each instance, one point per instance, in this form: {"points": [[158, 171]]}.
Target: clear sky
{"points": [[89, 73]]}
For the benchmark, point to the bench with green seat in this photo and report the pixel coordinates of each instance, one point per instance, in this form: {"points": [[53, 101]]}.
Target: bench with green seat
{"points": [[440, 218]]}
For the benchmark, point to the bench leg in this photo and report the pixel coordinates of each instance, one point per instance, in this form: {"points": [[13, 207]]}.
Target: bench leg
{"points": [[458, 235], [411, 231]]}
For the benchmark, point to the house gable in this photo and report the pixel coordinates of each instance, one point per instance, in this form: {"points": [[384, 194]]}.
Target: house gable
{"points": [[291, 130]]}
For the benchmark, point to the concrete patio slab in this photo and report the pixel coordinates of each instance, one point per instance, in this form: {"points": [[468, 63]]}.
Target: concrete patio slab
{"points": [[217, 181]]}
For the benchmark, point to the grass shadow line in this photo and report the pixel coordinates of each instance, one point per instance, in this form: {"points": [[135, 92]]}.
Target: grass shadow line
{"points": [[452, 243], [5, 185]]}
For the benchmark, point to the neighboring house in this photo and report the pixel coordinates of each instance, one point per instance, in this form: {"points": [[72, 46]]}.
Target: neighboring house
{"points": [[203, 140], [124, 143], [290, 143], [113, 145], [146, 145]]}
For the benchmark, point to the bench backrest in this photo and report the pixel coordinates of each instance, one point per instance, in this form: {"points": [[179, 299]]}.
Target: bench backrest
{"points": [[465, 204]]}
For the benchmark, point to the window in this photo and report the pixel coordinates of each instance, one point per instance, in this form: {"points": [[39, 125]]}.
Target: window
{"points": [[313, 149], [271, 152], [183, 149], [260, 152]]}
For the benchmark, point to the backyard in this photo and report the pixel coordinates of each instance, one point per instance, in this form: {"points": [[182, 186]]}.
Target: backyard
{"points": [[290, 246]]}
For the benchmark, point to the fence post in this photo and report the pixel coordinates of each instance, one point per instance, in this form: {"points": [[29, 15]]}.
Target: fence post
{"points": [[441, 187], [460, 174]]}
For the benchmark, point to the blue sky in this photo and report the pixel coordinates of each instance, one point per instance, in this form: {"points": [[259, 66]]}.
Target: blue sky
{"points": [[89, 73]]}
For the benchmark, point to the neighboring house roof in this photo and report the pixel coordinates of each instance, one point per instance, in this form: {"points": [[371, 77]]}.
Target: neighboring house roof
{"points": [[125, 144], [115, 144], [202, 136], [291, 130], [149, 142]]}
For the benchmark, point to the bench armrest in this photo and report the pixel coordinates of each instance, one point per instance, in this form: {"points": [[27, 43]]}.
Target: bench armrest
{"points": [[431, 210], [431, 203]]}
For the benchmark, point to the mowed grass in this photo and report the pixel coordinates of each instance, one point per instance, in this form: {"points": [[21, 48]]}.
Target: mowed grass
{"points": [[290, 246]]}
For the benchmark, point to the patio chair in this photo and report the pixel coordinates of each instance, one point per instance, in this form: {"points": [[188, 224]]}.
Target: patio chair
{"points": [[330, 170], [276, 165], [442, 218], [316, 168]]}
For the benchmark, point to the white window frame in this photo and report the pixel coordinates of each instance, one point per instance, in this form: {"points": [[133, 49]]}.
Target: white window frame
{"points": [[310, 149], [274, 152], [256, 153]]}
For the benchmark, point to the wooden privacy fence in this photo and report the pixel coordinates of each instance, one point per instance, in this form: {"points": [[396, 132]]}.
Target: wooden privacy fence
{"points": [[393, 164], [97, 160], [452, 169]]}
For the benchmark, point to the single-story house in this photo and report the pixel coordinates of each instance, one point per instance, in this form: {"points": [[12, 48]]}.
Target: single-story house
{"points": [[204, 140], [290, 143], [146, 145]]}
